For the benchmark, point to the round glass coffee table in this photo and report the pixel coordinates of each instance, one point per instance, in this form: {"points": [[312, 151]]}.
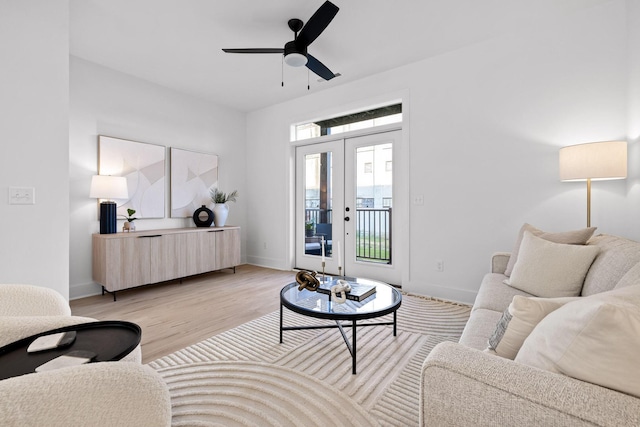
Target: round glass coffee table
{"points": [[385, 300]]}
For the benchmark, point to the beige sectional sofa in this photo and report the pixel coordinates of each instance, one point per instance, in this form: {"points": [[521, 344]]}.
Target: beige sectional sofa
{"points": [[464, 384]]}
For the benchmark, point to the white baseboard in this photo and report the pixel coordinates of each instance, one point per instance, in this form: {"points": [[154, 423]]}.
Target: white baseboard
{"points": [[276, 264], [84, 290], [442, 292]]}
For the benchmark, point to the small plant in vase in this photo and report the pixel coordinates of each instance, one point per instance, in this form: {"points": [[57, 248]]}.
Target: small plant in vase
{"points": [[220, 208], [129, 225], [309, 228]]}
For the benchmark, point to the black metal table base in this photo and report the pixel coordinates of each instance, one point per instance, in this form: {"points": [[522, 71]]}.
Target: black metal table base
{"points": [[350, 345]]}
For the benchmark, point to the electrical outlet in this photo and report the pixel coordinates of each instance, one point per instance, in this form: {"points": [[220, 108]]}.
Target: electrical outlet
{"points": [[22, 196], [418, 200], [264, 245], [439, 265]]}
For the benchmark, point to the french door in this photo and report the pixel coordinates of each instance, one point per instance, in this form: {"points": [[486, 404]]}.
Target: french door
{"points": [[344, 207]]}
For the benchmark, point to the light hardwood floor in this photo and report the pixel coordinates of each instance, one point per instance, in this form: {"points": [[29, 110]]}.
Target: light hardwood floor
{"points": [[174, 315]]}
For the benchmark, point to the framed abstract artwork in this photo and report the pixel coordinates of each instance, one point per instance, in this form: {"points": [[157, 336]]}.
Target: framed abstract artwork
{"points": [[193, 174], [144, 167]]}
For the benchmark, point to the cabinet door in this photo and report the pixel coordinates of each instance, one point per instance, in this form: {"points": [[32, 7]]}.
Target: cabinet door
{"points": [[207, 250], [173, 256], [227, 249], [164, 260], [127, 263], [187, 249]]}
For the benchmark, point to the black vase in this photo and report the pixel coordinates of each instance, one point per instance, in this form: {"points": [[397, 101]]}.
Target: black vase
{"points": [[203, 217]]}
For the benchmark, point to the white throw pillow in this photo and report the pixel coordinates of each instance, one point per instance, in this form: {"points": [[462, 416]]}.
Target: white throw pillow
{"points": [[547, 269], [573, 237], [518, 320], [594, 339]]}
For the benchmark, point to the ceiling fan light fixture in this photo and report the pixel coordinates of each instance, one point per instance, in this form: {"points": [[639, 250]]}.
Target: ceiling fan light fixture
{"points": [[294, 55], [295, 51], [295, 59]]}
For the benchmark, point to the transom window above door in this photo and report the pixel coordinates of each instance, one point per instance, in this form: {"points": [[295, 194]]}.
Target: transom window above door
{"points": [[349, 122]]}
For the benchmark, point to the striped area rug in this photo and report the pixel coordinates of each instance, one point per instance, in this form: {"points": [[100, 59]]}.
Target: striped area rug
{"points": [[245, 377]]}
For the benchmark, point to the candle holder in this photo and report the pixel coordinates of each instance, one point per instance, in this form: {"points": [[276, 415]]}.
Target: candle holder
{"points": [[340, 271], [323, 271]]}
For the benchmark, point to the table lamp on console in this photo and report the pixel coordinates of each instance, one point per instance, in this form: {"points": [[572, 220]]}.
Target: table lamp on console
{"points": [[108, 187]]}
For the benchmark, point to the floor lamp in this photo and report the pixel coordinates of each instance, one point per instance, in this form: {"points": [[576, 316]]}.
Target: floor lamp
{"points": [[108, 187], [593, 161]]}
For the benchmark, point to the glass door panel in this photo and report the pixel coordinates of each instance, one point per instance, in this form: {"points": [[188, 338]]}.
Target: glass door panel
{"points": [[318, 203], [368, 202], [316, 194], [374, 197]]}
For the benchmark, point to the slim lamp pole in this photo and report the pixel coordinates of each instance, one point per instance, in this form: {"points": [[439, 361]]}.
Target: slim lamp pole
{"points": [[588, 202]]}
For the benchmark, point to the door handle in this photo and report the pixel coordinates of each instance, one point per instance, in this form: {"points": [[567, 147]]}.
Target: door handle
{"points": [[347, 218]]}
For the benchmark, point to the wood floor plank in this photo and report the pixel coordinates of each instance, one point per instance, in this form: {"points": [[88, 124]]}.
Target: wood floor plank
{"points": [[174, 315]]}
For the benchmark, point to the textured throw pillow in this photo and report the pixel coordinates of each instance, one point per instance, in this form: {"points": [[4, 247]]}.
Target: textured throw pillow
{"points": [[575, 237], [518, 320], [594, 339], [547, 269]]}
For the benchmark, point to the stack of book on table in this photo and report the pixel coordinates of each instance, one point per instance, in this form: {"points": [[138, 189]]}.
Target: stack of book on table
{"points": [[358, 292]]}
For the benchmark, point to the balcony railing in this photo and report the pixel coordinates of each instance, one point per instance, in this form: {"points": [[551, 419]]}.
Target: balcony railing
{"points": [[373, 235], [373, 232]]}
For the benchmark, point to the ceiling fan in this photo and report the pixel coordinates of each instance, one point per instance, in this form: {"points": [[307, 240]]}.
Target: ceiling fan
{"points": [[295, 52]]}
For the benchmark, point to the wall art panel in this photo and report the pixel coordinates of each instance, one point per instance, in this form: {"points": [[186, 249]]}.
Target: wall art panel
{"points": [[193, 174], [144, 167]]}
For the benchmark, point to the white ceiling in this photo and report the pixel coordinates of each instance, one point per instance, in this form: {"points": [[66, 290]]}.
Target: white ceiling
{"points": [[177, 43]]}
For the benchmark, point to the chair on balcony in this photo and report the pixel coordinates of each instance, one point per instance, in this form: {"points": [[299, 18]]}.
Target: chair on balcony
{"points": [[313, 244], [325, 230]]}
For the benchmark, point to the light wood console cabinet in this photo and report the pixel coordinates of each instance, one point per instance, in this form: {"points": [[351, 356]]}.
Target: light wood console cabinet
{"points": [[126, 260]]}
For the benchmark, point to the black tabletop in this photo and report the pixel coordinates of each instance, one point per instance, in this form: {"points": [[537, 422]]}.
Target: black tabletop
{"points": [[109, 340]]}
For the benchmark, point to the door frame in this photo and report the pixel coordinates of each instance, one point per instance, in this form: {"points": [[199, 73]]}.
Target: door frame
{"points": [[401, 167]]}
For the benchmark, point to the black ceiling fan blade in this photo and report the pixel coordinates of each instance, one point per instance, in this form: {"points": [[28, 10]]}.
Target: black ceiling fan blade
{"points": [[256, 50], [319, 68], [317, 23]]}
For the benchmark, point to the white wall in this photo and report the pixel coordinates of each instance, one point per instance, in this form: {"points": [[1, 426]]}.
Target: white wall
{"points": [[34, 104], [632, 213], [483, 129], [106, 102]]}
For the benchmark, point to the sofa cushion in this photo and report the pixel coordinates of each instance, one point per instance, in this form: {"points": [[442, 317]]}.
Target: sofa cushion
{"points": [[617, 256], [479, 328], [574, 237], [548, 269], [594, 339], [494, 295], [631, 277], [518, 320]]}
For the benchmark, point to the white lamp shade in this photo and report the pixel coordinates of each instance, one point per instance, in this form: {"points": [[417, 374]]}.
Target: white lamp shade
{"points": [[109, 187], [295, 59], [595, 160]]}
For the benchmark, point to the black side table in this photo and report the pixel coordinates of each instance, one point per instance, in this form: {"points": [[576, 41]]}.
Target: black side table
{"points": [[109, 340]]}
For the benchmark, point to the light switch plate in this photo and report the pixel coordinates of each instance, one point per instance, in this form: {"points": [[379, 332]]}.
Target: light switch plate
{"points": [[22, 195]]}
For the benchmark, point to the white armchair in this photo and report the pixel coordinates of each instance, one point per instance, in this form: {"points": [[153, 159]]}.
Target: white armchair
{"points": [[27, 310], [96, 394]]}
